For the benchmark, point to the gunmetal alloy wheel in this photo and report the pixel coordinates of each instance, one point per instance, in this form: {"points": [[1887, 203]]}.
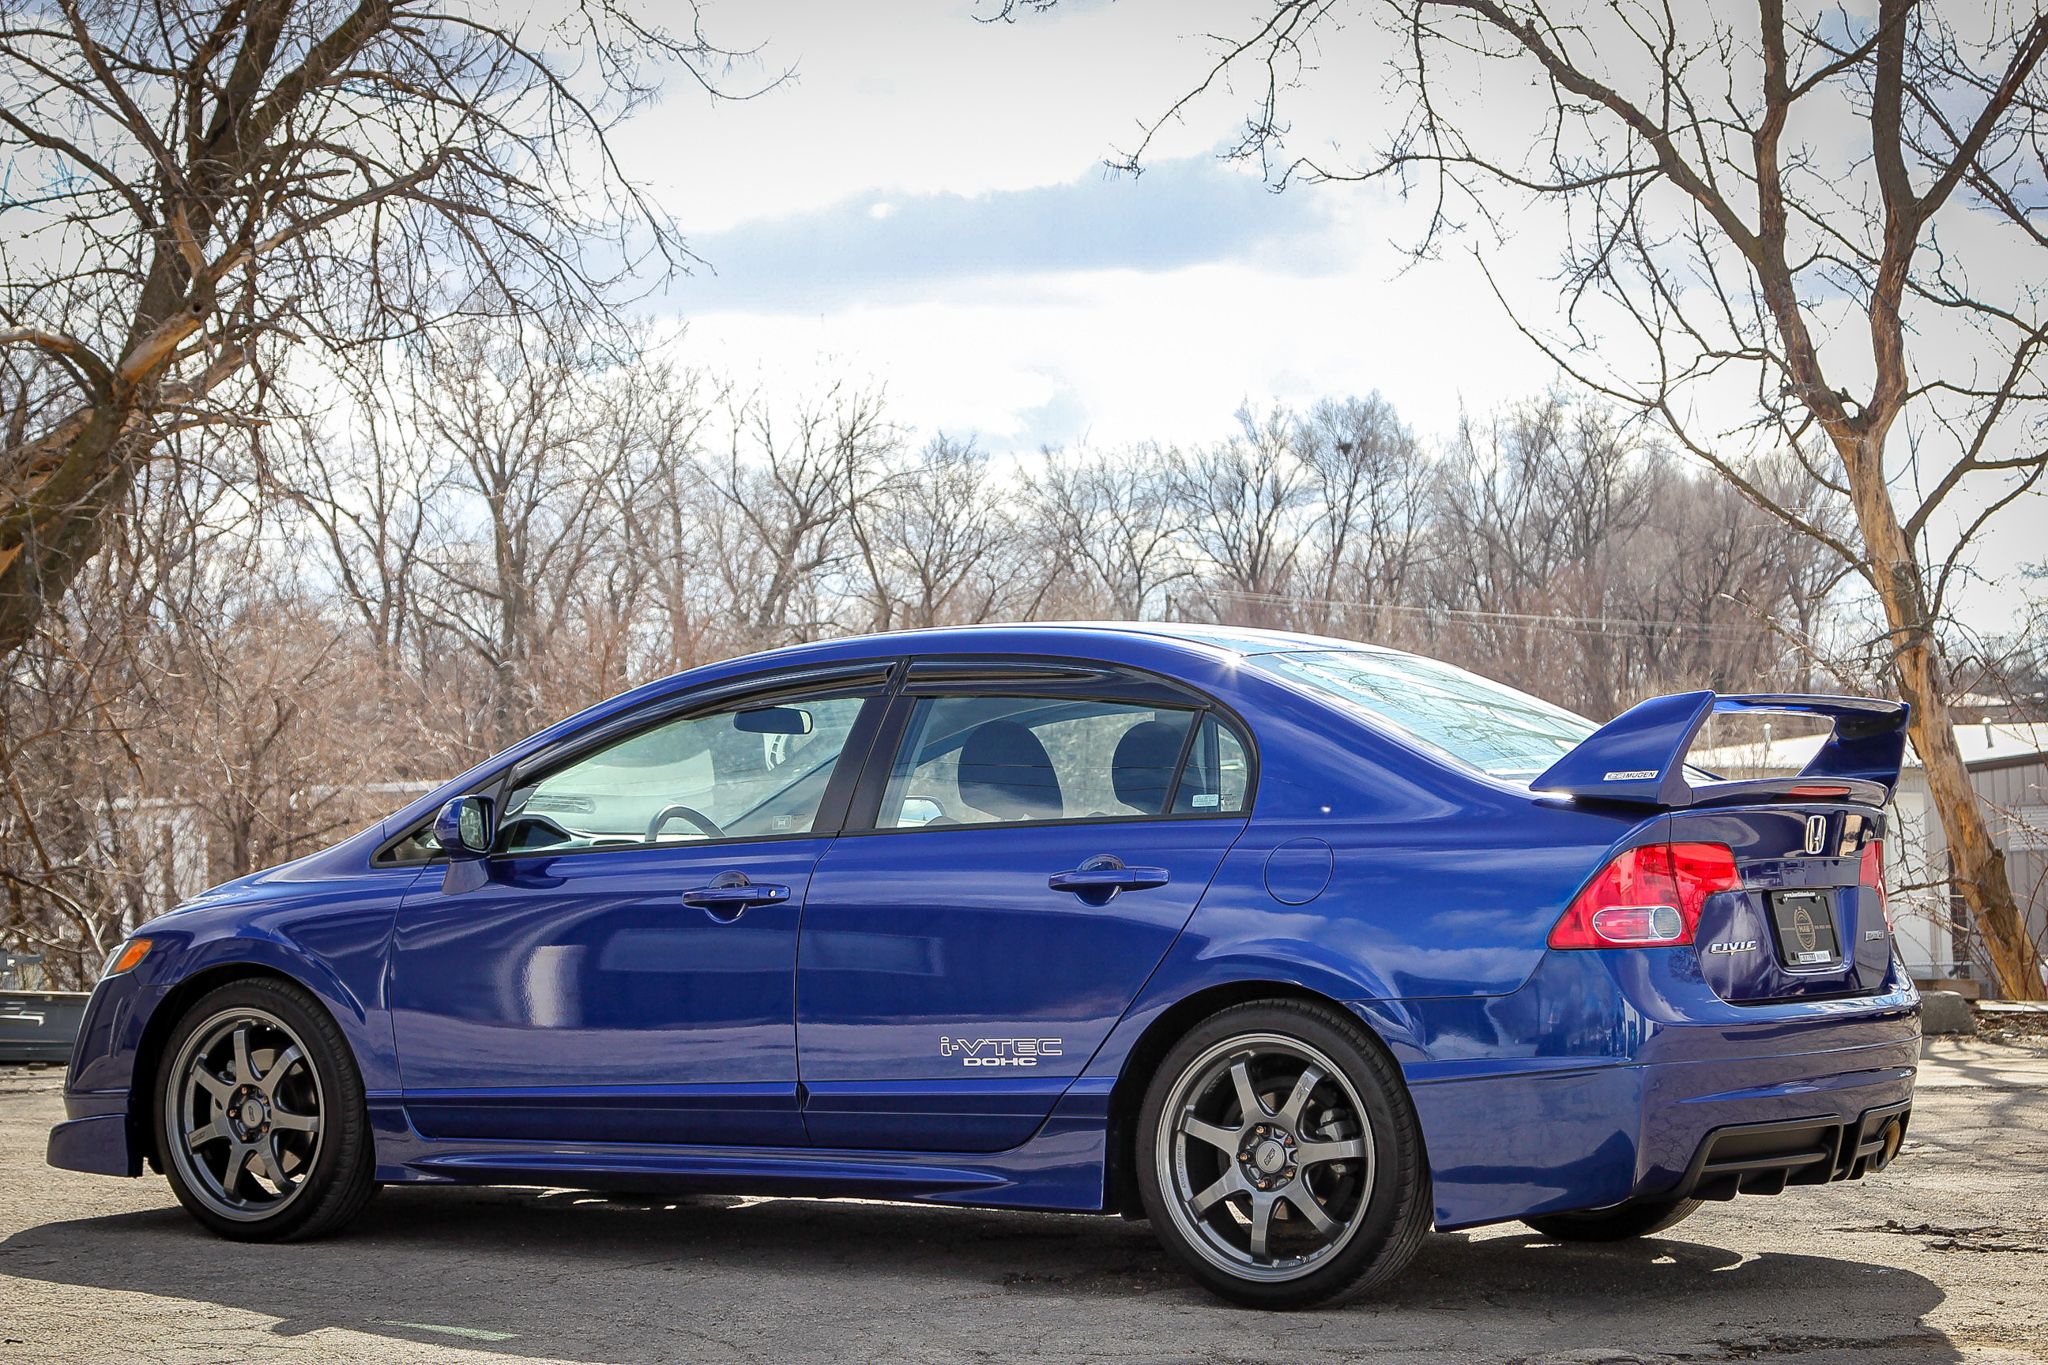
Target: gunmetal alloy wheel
{"points": [[1279, 1157], [261, 1121], [1265, 1151], [243, 1114]]}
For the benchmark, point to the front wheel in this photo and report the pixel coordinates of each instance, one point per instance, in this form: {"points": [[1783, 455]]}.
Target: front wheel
{"points": [[260, 1115], [1641, 1218], [1279, 1157]]}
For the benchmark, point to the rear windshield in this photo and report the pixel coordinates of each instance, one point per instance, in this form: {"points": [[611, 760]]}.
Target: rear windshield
{"points": [[1500, 731]]}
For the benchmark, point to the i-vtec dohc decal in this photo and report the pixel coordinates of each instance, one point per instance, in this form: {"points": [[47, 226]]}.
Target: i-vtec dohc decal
{"points": [[1740, 945], [999, 1051]]}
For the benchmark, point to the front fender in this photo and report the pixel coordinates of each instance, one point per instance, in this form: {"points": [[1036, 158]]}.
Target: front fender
{"points": [[331, 937], [128, 1018]]}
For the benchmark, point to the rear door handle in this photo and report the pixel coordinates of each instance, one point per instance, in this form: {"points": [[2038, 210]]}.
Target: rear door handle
{"points": [[731, 895], [1098, 880]]}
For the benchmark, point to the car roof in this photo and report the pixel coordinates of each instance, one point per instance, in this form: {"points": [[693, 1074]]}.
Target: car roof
{"points": [[1054, 635]]}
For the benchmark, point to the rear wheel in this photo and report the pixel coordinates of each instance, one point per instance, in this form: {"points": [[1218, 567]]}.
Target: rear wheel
{"points": [[1279, 1157], [1639, 1218], [260, 1115]]}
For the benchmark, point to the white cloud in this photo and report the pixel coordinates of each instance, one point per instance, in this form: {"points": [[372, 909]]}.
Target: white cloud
{"points": [[912, 119]]}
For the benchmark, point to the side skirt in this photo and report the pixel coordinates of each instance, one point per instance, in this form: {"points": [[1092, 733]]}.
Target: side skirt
{"points": [[1061, 1168]]}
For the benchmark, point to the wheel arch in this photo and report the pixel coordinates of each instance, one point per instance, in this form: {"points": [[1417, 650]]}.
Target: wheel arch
{"points": [[1168, 1027], [176, 1001]]}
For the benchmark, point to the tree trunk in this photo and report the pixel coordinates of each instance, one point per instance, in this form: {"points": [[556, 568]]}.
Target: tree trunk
{"points": [[1978, 862], [58, 521]]}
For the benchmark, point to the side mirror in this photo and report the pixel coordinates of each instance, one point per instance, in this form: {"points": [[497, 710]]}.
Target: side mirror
{"points": [[466, 827], [918, 810]]}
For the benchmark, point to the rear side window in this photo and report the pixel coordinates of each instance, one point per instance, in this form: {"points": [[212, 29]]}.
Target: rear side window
{"points": [[977, 760]]}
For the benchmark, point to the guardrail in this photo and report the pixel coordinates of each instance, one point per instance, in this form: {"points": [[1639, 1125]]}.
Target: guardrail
{"points": [[38, 1026]]}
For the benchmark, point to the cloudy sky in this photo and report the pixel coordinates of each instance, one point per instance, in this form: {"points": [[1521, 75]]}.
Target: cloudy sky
{"points": [[924, 205]]}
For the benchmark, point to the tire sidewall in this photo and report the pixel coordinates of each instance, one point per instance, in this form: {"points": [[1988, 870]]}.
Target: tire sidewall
{"points": [[344, 1123], [1394, 1137]]}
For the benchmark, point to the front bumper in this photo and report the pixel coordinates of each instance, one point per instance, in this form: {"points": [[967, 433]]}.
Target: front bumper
{"points": [[98, 1144]]}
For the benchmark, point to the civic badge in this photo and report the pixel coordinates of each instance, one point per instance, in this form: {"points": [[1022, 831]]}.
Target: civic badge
{"points": [[1816, 833]]}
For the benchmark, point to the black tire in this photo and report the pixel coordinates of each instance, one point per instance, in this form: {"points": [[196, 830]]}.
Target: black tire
{"points": [[1379, 1190], [242, 1036], [1639, 1218]]}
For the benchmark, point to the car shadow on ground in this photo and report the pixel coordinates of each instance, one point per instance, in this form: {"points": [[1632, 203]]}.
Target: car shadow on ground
{"points": [[587, 1277]]}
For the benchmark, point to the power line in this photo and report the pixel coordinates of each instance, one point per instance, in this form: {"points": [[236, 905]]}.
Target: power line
{"points": [[1573, 624]]}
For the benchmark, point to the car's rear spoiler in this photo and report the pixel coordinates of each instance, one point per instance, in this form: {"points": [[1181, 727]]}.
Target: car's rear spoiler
{"points": [[1639, 756]]}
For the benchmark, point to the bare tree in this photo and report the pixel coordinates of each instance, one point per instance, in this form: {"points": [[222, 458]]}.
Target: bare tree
{"points": [[1243, 500], [1706, 213], [195, 185], [938, 545], [520, 418], [780, 506], [1111, 519], [366, 495], [1371, 477]]}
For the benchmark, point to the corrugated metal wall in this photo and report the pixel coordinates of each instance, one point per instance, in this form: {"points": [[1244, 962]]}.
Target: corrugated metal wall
{"points": [[2015, 797]]}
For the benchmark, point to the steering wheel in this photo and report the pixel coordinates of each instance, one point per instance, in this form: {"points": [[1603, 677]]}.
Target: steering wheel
{"points": [[704, 823]]}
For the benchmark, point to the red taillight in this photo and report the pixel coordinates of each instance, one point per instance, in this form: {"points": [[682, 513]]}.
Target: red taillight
{"points": [[1871, 874], [1647, 897]]}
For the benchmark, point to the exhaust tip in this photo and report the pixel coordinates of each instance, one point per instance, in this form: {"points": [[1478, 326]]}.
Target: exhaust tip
{"points": [[1893, 1138]]}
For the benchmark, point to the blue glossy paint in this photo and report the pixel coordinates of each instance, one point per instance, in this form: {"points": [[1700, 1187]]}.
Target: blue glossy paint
{"points": [[1638, 757], [928, 952], [583, 998], [582, 1019]]}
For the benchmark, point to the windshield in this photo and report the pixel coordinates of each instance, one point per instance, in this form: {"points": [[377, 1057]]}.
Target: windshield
{"points": [[1501, 732]]}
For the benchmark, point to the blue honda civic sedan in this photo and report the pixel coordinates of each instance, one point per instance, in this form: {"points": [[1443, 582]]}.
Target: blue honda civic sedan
{"points": [[1295, 947]]}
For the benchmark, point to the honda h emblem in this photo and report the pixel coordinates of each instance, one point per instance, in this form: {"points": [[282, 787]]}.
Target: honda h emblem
{"points": [[1816, 833]]}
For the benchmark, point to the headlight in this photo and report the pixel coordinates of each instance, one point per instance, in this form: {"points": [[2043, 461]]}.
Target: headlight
{"points": [[126, 956]]}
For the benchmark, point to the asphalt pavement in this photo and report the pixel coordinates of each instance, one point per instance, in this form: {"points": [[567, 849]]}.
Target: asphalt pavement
{"points": [[1942, 1258]]}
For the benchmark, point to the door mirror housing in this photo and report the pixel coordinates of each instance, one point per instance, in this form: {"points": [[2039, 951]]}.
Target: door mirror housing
{"points": [[466, 827], [919, 810]]}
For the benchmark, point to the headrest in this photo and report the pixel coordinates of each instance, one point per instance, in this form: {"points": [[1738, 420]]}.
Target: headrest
{"points": [[1005, 772], [1142, 770]]}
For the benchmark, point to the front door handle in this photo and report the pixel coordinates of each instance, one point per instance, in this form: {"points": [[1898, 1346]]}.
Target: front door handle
{"points": [[731, 895], [1098, 880]]}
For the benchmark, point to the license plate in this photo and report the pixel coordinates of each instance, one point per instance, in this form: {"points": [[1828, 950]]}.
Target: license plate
{"points": [[1805, 921]]}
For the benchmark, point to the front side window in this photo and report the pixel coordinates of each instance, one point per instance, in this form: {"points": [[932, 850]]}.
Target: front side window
{"points": [[978, 760], [1501, 732], [747, 771]]}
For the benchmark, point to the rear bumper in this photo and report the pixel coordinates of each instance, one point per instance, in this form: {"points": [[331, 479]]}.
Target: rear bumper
{"points": [[1763, 1158], [1554, 1140], [1613, 1077]]}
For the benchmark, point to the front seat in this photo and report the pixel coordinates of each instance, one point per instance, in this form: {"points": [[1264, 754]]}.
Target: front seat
{"points": [[1005, 772]]}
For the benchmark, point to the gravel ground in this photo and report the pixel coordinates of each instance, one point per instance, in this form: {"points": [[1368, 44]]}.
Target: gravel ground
{"points": [[1944, 1258]]}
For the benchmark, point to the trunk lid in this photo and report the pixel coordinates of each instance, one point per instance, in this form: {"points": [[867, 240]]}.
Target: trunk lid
{"points": [[1805, 923]]}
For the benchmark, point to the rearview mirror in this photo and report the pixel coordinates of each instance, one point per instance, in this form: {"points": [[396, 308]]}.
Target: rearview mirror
{"points": [[466, 827], [773, 720]]}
